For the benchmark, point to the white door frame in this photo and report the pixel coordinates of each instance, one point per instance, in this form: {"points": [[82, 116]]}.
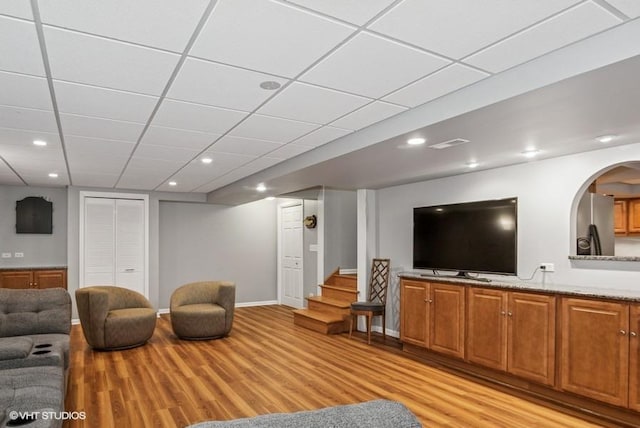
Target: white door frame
{"points": [[279, 249], [108, 195]]}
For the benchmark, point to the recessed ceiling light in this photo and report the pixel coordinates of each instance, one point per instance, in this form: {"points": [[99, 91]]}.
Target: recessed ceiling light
{"points": [[39, 143], [261, 187], [270, 198], [53, 175], [606, 138], [472, 164], [416, 141], [530, 153], [270, 85], [206, 160], [173, 183], [449, 143], [439, 210]]}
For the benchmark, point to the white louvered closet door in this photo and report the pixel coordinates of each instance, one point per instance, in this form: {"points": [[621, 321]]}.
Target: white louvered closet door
{"points": [[114, 243]]}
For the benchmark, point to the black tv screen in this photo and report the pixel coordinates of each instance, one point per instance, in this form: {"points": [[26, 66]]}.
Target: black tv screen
{"points": [[469, 237]]}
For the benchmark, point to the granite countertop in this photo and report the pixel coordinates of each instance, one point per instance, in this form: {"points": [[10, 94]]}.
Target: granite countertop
{"points": [[607, 258], [571, 290], [31, 267]]}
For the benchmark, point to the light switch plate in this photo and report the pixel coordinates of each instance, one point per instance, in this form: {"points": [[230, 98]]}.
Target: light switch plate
{"points": [[6, 255], [18, 255]]}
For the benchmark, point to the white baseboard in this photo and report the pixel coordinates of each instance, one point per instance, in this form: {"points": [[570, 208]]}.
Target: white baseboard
{"points": [[75, 321], [348, 271]]}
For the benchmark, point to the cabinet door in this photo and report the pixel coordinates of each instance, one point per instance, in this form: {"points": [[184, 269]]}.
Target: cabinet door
{"points": [[633, 212], [413, 310], [531, 336], [487, 327], [634, 358], [620, 216], [595, 349], [447, 319], [50, 278], [16, 279]]}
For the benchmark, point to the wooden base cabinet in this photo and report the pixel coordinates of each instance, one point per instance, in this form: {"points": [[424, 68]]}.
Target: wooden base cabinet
{"points": [[595, 350], [513, 332], [433, 316], [634, 357], [35, 278]]}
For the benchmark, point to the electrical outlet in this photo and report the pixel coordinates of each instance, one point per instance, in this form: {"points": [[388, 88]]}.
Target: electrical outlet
{"points": [[547, 267], [6, 255], [18, 255]]}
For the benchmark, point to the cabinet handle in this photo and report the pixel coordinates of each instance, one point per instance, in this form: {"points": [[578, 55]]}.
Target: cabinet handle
{"points": [[622, 332], [503, 313], [510, 313], [633, 334]]}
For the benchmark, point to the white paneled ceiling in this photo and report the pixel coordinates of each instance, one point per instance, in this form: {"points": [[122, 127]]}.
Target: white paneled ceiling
{"points": [[134, 94]]}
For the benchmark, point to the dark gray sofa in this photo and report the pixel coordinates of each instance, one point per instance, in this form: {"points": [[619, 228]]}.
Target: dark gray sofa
{"points": [[34, 354]]}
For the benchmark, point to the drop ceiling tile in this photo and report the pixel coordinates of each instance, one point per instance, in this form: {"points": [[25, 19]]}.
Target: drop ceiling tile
{"points": [[367, 115], [246, 146], [20, 90], [92, 60], [574, 24], [221, 162], [355, 11], [80, 147], [289, 151], [165, 24], [196, 117], [43, 180], [294, 103], [376, 66], [96, 164], [23, 57], [272, 129], [29, 119], [166, 153], [220, 85], [631, 8], [171, 137], [239, 173], [141, 181], [440, 83], [104, 103], [8, 178], [84, 126], [321, 136], [456, 29], [17, 8], [19, 137], [90, 179], [267, 36], [153, 166]]}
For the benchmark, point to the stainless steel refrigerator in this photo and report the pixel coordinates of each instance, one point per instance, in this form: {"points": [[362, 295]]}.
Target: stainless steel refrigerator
{"points": [[595, 209]]}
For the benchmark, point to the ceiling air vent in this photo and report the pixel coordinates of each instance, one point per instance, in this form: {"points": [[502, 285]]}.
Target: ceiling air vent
{"points": [[450, 143]]}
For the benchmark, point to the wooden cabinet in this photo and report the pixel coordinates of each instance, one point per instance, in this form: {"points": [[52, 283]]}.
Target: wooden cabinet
{"points": [[413, 310], [634, 357], [513, 332], [626, 216], [433, 316], [35, 278], [620, 217], [633, 216], [595, 349]]}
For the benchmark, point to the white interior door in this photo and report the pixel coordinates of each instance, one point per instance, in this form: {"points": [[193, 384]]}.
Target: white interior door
{"points": [[114, 242], [291, 256], [129, 237]]}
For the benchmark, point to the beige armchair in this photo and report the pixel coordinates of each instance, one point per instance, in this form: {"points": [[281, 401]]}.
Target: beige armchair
{"points": [[203, 310], [115, 317]]}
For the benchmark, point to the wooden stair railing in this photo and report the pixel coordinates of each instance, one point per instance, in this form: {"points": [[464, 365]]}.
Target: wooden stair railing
{"points": [[329, 312]]}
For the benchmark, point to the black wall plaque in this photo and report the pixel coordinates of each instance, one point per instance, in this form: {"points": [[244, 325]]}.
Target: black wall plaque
{"points": [[34, 215]]}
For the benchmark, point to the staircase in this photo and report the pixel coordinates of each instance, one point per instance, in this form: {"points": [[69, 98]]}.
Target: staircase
{"points": [[329, 312]]}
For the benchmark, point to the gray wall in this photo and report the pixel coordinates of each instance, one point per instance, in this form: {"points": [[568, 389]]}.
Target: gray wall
{"points": [[39, 250], [310, 237], [215, 242], [340, 230]]}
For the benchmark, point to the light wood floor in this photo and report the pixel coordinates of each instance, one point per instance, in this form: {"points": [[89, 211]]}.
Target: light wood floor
{"points": [[269, 365]]}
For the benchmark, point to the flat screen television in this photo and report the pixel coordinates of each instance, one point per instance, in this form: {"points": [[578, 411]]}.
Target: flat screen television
{"points": [[473, 237]]}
